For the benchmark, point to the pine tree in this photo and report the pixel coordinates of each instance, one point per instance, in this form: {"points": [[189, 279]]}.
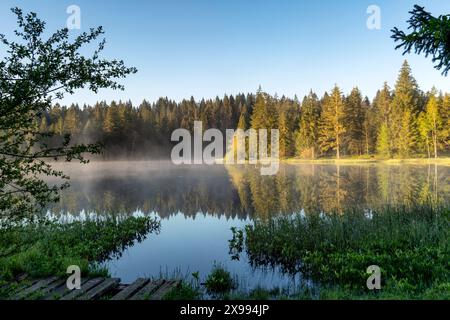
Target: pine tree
{"points": [[383, 145], [382, 115], [243, 122], [111, 121], [406, 135], [434, 122], [445, 116], [405, 107], [307, 134], [332, 123], [72, 121], [43, 127], [424, 132], [285, 135], [354, 120], [368, 126]]}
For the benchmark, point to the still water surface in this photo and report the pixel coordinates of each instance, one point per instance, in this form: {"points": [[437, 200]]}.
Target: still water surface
{"points": [[198, 205]]}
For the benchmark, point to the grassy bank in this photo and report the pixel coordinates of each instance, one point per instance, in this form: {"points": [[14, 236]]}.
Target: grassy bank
{"points": [[47, 249], [410, 245]]}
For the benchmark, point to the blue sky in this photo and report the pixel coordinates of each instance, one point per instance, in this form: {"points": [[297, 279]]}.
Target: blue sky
{"points": [[206, 48]]}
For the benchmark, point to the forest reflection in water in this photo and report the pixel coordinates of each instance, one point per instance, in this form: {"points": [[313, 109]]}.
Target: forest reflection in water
{"points": [[123, 188], [198, 206]]}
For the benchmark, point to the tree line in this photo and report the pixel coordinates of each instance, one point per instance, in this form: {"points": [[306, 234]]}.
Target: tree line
{"points": [[399, 122]]}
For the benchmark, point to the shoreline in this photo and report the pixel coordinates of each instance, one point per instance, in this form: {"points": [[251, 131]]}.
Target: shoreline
{"points": [[350, 161]]}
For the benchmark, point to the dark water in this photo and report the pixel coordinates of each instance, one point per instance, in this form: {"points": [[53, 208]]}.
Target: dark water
{"points": [[198, 205]]}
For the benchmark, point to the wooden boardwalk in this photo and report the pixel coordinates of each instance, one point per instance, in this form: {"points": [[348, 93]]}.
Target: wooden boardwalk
{"points": [[55, 288]]}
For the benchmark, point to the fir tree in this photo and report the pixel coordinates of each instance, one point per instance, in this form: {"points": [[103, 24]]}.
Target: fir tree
{"points": [[383, 146], [307, 134], [354, 121], [332, 123], [405, 107]]}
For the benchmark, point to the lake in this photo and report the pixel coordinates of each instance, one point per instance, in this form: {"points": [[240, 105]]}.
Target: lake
{"points": [[198, 206]]}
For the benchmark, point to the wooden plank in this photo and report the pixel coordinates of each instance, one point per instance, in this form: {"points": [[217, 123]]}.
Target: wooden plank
{"points": [[146, 291], [61, 290], [36, 287], [73, 294], [164, 289], [101, 289], [16, 286], [131, 289], [20, 279], [52, 286]]}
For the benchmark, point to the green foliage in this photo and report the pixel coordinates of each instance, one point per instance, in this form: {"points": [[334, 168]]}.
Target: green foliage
{"points": [[354, 121], [307, 135], [144, 130], [429, 35], [410, 244], [383, 147], [185, 291], [49, 248], [33, 73], [219, 281], [332, 123]]}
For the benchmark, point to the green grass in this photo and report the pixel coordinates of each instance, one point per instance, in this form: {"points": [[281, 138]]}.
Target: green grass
{"points": [[46, 249], [410, 244], [186, 291], [219, 281]]}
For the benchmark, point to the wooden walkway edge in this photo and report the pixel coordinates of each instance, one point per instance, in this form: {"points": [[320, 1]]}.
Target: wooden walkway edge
{"points": [[55, 288]]}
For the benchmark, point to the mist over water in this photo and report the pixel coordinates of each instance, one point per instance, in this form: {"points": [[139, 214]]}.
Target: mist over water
{"points": [[199, 204]]}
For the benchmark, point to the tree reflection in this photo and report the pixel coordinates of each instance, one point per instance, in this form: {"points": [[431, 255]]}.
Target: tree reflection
{"points": [[240, 191]]}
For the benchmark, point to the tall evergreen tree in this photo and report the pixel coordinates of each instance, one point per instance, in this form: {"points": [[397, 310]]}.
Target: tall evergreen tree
{"points": [[431, 124], [405, 107], [332, 123], [383, 144], [407, 135], [307, 134], [354, 121], [72, 121]]}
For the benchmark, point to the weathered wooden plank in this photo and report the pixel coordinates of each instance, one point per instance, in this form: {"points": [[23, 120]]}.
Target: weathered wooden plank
{"points": [[52, 286], [17, 286], [131, 289], [61, 290], [20, 279], [101, 289], [146, 291], [36, 287], [91, 283], [164, 289]]}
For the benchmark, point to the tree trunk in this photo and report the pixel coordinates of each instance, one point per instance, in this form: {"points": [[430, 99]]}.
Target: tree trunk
{"points": [[337, 147], [435, 145]]}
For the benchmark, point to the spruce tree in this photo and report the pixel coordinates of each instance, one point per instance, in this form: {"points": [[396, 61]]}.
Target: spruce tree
{"points": [[407, 135], [354, 121], [434, 122], [307, 134], [383, 145], [405, 108], [332, 123]]}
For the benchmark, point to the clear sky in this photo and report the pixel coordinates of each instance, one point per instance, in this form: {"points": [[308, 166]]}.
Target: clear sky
{"points": [[206, 48]]}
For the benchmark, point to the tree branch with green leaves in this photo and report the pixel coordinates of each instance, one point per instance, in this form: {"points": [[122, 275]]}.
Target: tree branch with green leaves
{"points": [[34, 73]]}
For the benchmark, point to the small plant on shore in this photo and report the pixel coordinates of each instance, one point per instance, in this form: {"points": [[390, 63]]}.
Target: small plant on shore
{"points": [[219, 281]]}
